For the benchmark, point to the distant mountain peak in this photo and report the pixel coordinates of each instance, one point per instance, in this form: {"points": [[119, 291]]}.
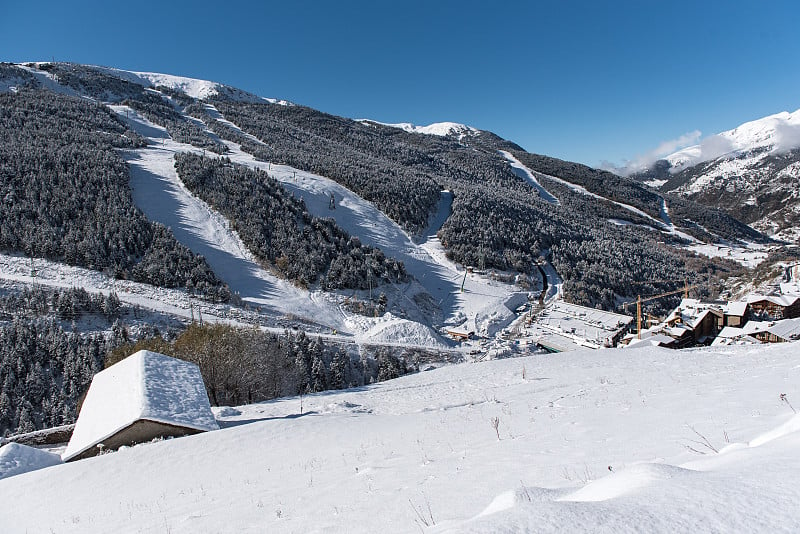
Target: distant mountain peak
{"points": [[442, 129], [776, 133]]}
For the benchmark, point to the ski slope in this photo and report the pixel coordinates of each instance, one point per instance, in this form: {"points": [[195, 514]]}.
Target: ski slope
{"points": [[424, 257], [609, 440], [159, 193], [434, 298], [525, 173]]}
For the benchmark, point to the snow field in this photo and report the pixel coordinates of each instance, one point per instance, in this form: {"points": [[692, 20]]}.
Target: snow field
{"points": [[749, 254], [777, 132], [441, 129], [425, 446], [16, 459]]}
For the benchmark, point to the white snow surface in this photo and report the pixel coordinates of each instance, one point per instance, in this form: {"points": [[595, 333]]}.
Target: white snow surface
{"points": [[47, 81], [160, 194], [525, 173], [749, 254], [586, 442], [16, 459], [146, 385]]}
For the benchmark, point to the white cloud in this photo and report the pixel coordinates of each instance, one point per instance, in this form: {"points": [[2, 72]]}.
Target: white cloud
{"points": [[713, 147], [787, 136], [644, 161]]}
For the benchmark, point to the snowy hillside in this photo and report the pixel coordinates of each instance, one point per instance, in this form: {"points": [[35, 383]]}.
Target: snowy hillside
{"points": [[160, 194], [779, 132], [751, 171], [632, 440], [192, 87]]}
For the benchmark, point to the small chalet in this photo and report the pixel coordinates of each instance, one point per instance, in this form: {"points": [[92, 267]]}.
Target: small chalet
{"points": [[460, 335], [780, 331], [702, 320], [145, 396], [735, 313]]}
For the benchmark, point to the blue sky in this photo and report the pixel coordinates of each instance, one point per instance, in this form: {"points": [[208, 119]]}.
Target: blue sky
{"points": [[586, 81]]}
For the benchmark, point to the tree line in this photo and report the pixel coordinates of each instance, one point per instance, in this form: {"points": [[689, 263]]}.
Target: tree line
{"points": [[281, 232], [246, 365], [65, 195]]}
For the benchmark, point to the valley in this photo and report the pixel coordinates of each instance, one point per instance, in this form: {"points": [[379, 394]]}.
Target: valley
{"points": [[290, 253]]}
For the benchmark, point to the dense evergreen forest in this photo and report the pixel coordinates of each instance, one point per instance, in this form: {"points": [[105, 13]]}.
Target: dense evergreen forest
{"points": [[158, 106], [65, 304], [698, 220], [338, 149], [64, 195], [498, 220], [278, 229], [46, 364], [43, 371]]}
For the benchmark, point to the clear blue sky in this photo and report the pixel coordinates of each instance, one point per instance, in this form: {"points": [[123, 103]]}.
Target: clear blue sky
{"points": [[581, 80]]}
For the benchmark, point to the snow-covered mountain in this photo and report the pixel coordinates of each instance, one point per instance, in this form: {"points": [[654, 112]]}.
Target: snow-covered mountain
{"points": [[200, 198], [751, 171], [437, 128], [393, 171], [775, 134], [225, 206]]}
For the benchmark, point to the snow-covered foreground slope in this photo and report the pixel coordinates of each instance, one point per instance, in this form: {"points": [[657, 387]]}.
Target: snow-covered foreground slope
{"points": [[590, 441]]}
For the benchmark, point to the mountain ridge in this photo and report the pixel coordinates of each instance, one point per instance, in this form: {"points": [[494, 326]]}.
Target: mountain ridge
{"points": [[498, 219], [751, 171]]}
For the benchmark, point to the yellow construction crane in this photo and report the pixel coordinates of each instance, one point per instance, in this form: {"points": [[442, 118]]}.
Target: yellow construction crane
{"points": [[639, 301]]}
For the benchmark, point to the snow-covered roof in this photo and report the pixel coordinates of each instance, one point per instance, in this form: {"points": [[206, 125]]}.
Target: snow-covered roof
{"points": [[16, 459], [736, 308], [731, 332], [697, 319], [144, 386], [570, 326], [691, 313], [788, 329], [651, 341], [780, 300]]}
